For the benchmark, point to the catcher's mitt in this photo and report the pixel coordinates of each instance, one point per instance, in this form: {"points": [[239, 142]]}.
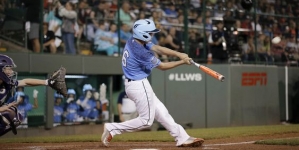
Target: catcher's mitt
{"points": [[57, 81]]}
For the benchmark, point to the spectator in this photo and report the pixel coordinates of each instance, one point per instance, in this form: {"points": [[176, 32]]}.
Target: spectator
{"points": [[58, 109], [172, 41], [263, 49], [277, 51], [125, 34], [195, 3], [292, 49], [228, 15], [276, 30], [84, 12], [126, 107], [171, 11], [54, 24], [258, 25], [248, 50], [156, 7], [49, 40], [247, 25], [71, 108], [124, 14], [113, 6], [32, 23], [135, 10], [195, 44], [141, 15], [96, 15], [145, 8], [89, 105], [155, 17], [198, 21], [96, 96], [104, 41], [69, 16], [113, 33], [217, 41], [208, 26]]}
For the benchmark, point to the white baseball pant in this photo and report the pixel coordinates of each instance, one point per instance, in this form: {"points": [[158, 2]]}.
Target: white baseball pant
{"points": [[149, 107]]}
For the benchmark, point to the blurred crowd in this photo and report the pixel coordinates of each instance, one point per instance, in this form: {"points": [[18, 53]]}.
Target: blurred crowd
{"points": [[91, 27]]}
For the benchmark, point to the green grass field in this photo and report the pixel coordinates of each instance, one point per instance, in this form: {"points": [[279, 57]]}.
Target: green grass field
{"points": [[207, 134]]}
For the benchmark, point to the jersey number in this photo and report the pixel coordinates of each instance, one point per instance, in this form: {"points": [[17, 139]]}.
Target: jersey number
{"points": [[124, 58]]}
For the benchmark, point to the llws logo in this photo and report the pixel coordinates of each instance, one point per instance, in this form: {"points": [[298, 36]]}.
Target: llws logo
{"points": [[185, 77], [254, 79]]}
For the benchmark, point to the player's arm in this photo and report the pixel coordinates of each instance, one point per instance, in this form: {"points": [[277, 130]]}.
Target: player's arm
{"points": [[166, 51], [35, 104], [35, 100], [169, 65], [32, 82], [6, 107]]}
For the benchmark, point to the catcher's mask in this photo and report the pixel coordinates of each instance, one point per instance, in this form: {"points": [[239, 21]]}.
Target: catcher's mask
{"points": [[10, 120], [6, 73]]}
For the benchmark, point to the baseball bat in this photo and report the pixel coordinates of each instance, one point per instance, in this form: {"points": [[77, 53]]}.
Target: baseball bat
{"points": [[209, 71]]}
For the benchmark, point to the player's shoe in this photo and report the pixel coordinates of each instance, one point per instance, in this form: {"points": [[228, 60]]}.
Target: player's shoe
{"points": [[106, 137], [192, 142]]}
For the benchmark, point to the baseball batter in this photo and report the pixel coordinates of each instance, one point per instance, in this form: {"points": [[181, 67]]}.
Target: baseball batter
{"points": [[137, 63]]}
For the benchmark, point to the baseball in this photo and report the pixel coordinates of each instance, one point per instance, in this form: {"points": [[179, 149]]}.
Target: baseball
{"points": [[276, 40]]}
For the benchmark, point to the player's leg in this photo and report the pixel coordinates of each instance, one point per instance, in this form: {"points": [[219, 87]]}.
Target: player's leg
{"points": [[34, 36], [162, 116], [142, 94], [177, 131]]}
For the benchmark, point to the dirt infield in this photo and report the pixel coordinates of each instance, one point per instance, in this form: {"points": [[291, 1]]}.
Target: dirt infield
{"points": [[217, 144]]}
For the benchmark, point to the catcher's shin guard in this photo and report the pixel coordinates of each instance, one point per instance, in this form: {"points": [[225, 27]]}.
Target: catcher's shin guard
{"points": [[10, 120]]}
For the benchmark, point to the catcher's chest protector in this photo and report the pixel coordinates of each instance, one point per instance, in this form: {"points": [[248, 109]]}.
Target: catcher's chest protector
{"points": [[10, 120], [4, 90]]}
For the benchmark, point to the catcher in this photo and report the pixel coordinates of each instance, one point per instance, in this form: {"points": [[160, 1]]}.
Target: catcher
{"points": [[10, 118]]}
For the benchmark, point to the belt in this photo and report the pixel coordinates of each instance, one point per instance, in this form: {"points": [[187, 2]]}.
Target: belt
{"points": [[127, 113], [129, 80]]}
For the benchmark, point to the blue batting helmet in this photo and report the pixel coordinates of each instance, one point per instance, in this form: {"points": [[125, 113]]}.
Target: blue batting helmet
{"points": [[71, 91], [87, 87], [57, 95]]}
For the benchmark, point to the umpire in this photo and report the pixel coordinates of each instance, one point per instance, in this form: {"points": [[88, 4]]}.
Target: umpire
{"points": [[217, 41]]}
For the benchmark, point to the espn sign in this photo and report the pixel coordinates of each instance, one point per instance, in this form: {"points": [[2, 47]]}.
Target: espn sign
{"points": [[254, 78]]}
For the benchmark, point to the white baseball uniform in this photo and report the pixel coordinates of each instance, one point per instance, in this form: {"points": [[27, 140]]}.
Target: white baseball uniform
{"points": [[137, 63]]}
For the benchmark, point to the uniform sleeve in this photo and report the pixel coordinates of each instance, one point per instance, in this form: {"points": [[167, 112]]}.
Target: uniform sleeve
{"points": [[28, 107], [149, 45], [149, 59]]}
